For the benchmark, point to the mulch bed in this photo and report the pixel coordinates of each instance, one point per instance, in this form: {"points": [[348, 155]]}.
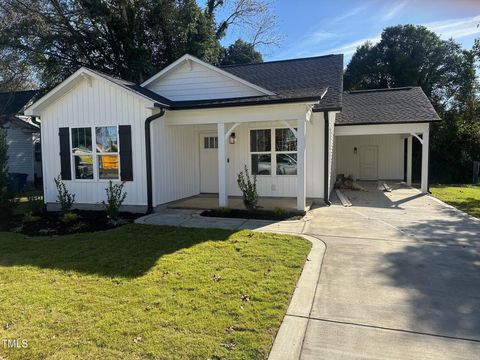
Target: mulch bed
{"points": [[50, 223], [257, 214]]}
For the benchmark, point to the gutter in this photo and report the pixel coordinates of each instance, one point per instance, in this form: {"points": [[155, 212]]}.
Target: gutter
{"points": [[326, 188], [148, 151]]}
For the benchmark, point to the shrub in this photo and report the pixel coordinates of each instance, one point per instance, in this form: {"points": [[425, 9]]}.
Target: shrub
{"points": [[115, 198], [280, 211], [248, 187], [65, 198], [69, 217], [29, 217], [35, 204], [5, 203], [223, 210]]}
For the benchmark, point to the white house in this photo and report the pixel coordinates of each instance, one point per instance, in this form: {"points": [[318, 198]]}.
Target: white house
{"points": [[22, 135], [191, 128]]}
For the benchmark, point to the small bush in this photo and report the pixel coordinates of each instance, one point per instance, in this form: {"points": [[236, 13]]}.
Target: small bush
{"points": [[223, 210], [35, 204], [248, 187], [29, 217], [115, 198], [65, 198], [280, 211], [69, 217]]}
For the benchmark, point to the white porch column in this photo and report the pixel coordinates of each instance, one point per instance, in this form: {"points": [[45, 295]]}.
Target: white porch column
{"points": [[301, 165], [425, 150], [222, 167], [409, 160]]}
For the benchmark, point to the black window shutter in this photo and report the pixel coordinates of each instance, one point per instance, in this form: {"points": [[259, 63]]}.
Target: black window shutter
{"points": [[65, 167], [126, 159]]}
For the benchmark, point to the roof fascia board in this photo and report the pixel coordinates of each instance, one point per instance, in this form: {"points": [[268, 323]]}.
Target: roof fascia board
{"points": [[68, 84], [189, 59]]}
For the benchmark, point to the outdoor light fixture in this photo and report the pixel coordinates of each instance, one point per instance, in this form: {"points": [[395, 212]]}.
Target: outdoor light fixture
{"points": [[232, 139], [355, 150]]}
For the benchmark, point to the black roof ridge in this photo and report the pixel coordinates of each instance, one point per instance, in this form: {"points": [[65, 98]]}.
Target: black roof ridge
{"points": [[382, 90], [280, 61]]}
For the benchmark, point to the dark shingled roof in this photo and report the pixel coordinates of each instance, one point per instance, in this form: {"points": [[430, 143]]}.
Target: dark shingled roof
{"points": [[385, 106], [12, 102]]}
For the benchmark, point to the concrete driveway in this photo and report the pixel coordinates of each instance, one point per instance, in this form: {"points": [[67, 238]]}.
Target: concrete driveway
{"points": [[400, 280]]}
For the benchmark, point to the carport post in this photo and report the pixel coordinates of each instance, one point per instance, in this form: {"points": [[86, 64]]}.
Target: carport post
{"points": [[425, 149], [409, 160], [301, 170], [222, 167]]}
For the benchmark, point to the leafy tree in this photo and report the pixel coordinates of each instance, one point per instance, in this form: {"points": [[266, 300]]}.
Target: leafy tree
{"points": [[131, 39], [240, 52], [410, 55]]}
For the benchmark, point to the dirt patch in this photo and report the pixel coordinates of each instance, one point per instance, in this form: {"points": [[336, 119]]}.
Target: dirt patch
{"points": [[257, 214], [50, 223]]}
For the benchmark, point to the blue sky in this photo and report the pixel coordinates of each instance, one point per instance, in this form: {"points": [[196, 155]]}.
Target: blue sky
{"points": [[320, 27]]}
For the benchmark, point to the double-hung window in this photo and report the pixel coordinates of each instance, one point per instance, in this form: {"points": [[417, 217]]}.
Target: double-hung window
{"points": [[273, 151], [95, 153]]}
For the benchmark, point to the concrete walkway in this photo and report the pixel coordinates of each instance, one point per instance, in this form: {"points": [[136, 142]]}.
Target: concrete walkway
{"points": [[399, 280]]}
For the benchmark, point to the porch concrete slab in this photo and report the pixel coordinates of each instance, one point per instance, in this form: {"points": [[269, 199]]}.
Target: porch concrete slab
{"points": [[330, 340], [207, 201]]}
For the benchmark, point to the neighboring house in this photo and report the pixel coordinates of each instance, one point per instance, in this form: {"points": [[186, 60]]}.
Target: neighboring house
{"points": [[192, 128], [22, 136]]}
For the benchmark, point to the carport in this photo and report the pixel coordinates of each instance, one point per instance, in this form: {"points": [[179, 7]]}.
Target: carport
{"points": [[371, 131]]}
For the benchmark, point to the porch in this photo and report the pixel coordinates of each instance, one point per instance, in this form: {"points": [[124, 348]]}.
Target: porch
{"points": [[210, 201]]}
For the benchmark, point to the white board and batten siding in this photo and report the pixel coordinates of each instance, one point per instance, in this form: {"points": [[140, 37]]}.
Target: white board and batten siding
{"points": [[20, 151], [178, 176], [175, 161], [193, 81], [95, 103], [390, 155]]}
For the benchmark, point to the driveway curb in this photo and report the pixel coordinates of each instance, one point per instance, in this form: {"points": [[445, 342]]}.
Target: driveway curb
{"points": [[289, 339]]}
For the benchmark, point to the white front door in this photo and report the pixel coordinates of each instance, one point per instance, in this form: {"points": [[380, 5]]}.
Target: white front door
{"points": [[369, 162], [208, 163]]}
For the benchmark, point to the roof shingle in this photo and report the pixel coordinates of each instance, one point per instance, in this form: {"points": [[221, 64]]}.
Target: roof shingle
{"points": [[12, 102], [397, 105]]}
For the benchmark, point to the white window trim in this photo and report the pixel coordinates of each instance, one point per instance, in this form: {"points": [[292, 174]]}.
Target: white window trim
{"points": [[95, 154], [273, 153]]}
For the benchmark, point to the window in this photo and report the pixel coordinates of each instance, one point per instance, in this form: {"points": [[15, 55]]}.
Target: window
{"points": [[282, 157], [107, 152], [82, 153], [286, 152], [101, 161], [210, 142], [260, 148]]}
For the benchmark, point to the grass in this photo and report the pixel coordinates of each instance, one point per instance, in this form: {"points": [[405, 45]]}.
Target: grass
{"points": [[146, 292], [463, 197]]}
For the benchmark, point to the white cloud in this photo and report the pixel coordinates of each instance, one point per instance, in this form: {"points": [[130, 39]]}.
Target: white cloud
{"points": [[349, 48], [348, 14], [394, 10], [456, 28]]}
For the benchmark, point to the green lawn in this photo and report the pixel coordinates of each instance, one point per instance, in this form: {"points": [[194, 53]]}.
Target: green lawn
{"points": [[146, 292], [463, 197]]}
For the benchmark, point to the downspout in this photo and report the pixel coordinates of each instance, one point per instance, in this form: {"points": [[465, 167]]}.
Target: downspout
{"points": [[326, 188], [148, 151]]}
